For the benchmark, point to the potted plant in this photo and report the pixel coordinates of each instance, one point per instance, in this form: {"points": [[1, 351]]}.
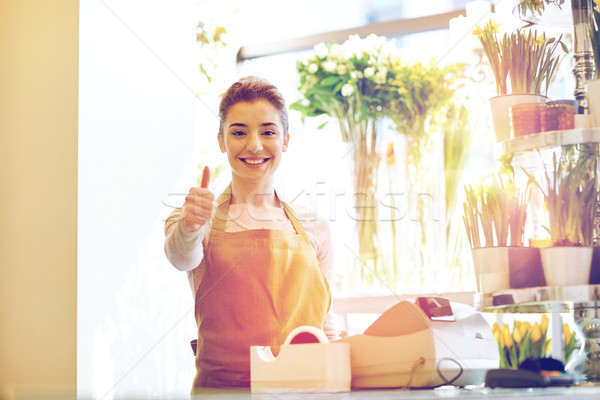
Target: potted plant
{"points": [[526, 60], [570, 194], [495, 213]]}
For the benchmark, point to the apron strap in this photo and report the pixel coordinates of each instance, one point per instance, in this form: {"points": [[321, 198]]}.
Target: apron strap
{"points": [[222, 211], [293, 219]]}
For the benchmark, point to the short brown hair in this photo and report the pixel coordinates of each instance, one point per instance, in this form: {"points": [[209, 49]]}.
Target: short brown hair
{"points": [[250, 89]]}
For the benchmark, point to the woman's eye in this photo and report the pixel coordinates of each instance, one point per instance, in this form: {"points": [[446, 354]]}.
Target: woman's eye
{"points": [[269, 133], [237, 133]]}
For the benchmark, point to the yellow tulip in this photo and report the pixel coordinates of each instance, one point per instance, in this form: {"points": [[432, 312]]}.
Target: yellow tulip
{"points": [[498, 338], [545, 322], [517, 336], [549, 346], [524, 328], [495, 327], [508, 341], [536, 333], [567, 333]]}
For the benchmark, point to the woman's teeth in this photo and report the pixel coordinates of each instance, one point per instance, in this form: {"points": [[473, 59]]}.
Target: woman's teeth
{"points": [[254, 161]]}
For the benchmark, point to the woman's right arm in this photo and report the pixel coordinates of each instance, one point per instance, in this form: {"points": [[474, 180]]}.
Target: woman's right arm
{"points": [[183, 249], [186, 228]]}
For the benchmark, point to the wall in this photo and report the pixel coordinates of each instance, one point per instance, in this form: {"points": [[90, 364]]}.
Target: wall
{"points": [[136, 141], [38, 201]]}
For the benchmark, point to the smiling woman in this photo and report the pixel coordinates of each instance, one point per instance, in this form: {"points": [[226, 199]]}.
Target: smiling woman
{"points": [[253, 147], [139, 144], [257, 268]]}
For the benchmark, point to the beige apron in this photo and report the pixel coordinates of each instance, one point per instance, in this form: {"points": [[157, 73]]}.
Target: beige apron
{"points": [[257, 286]]}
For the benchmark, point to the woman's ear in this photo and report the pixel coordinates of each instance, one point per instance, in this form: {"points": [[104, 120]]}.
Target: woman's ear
{"points": [[221, 143], [286, 141]]}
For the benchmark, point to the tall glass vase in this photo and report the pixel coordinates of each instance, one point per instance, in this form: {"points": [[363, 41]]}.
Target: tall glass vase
{"points": [[422, 236], [372, 211], [365, 156]]}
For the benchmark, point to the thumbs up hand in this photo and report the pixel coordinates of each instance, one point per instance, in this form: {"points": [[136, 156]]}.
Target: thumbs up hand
{"points": [[199, 205]]}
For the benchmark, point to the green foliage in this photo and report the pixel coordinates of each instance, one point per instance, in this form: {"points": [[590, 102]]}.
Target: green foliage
{"points": [[529, 59], [361, 82], [570, 193], [457, 147], [527, 341], [212, 40], [368, 79], [497, 208], [526, 7], [425, 95]]}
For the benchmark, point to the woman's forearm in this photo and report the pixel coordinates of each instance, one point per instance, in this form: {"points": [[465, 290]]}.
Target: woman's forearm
{"points": [[183, 249]]}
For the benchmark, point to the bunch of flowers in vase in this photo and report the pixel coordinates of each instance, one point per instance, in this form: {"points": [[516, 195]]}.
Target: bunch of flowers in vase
{"points": [[431, 122], [528, 341], [360, 83], [350, 82]]}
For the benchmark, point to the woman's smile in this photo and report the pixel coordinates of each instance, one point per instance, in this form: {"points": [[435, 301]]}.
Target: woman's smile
{"points": [[254, 140], [254, 161]]}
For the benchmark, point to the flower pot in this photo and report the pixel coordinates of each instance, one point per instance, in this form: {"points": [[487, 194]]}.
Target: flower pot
{"points": [[500, 109], [525, 119], [491, 268], [558, 115], [593, 99], [525, 267], [566, 265], [510, 267], [595, 271]]}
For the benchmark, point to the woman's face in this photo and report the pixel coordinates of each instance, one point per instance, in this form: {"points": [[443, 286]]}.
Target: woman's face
{"points": [[253, 138]]}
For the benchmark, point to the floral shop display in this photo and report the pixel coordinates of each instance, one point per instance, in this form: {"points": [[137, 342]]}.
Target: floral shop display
{"points": [[523, 64], [527, 341], [570, 191], [366, 85], [495, 213]]}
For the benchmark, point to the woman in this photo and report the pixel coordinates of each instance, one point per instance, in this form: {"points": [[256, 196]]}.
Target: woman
{"points": [[257, 268]]}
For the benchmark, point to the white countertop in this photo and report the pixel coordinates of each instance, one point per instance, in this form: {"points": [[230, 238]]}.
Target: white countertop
{"points": [[552, 393]]}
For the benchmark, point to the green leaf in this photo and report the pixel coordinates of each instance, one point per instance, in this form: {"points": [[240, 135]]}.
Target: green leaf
{"points": [[323, 125], [329, 81]]}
